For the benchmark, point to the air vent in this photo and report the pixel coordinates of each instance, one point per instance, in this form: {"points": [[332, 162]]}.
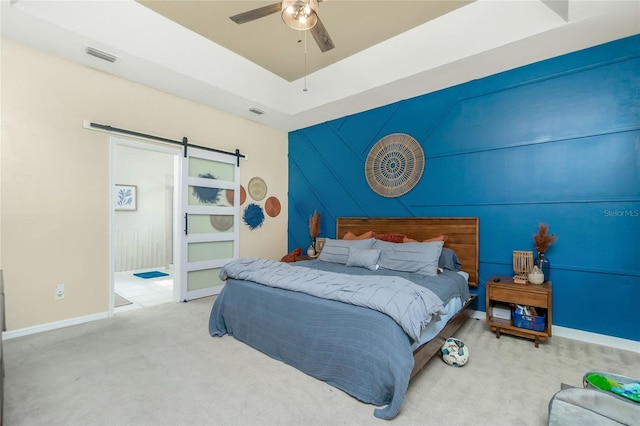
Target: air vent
{"points": [[256, 110], [100, 54]]}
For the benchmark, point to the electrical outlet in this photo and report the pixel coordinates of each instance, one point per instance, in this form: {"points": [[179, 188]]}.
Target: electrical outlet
{"points": [[59, 292]]}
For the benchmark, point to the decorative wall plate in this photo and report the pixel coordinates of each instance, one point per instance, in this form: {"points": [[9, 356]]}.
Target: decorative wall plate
{"points": [[394, 165], [253, 216], [272, 206], [257, 188]]}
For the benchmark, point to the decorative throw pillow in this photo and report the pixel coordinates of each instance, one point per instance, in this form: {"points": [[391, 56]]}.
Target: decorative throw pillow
{"points": [[337, 251], [363, 258], [438, 238], [291, 257], [430, 240], [392, 238], [449, 260], [351, 236], [421, 258]]}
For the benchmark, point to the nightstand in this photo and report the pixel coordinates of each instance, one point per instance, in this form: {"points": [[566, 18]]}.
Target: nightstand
{"points": [[508, 291]]}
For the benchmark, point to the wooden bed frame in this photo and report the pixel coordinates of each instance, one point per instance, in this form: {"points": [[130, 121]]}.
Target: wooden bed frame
{"points": [[462, 235]]}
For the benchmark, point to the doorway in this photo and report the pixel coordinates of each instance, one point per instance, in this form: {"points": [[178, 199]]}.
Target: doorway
{"points": [[144, 221]]}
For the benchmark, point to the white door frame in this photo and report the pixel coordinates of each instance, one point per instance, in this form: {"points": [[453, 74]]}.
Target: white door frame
{"points": [[177, 196]]}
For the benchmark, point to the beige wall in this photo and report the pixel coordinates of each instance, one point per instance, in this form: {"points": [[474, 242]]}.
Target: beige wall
{"points": [[54, 177]]}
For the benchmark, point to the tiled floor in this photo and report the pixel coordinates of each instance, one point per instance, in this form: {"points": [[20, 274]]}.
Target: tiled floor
{"points": [[143, 292]]}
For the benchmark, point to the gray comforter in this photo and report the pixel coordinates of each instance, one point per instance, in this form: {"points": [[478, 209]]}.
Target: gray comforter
{"points": [[409, 304], [356, 349]]}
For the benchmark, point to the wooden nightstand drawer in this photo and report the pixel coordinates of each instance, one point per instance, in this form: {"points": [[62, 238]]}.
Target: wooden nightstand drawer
{"points": [[520, 297]]}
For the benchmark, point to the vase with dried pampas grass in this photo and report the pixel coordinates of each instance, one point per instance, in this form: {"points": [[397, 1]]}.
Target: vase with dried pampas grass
{"points": [[314, 230], [543, 240]]}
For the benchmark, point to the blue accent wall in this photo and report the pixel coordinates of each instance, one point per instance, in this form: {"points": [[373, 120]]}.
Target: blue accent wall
{"points": [[555, 142]]}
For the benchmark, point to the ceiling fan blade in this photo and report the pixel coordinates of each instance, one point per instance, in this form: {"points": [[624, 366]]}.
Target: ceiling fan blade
{"points": [[258, 13], [321, 36]]}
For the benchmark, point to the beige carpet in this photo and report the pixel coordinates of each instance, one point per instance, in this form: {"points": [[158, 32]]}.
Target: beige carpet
{"points": [[159, 366]]}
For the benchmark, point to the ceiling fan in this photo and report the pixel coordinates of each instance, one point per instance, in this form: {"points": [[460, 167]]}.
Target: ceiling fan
{"points": [[298, 14]]}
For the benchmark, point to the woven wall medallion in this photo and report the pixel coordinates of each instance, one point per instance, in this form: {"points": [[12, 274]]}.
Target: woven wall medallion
{"points": [[257, 188], [394, 165]]}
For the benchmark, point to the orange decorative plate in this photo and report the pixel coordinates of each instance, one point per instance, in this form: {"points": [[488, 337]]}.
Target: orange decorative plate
{"points": [[272, 206]]}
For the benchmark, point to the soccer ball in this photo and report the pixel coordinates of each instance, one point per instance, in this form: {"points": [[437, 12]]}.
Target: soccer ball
{"points": [[455, 352]]}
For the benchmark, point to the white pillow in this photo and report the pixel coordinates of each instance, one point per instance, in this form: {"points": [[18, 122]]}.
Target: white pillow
{"points": [[363, 258], [337, 251], [421, 258]]}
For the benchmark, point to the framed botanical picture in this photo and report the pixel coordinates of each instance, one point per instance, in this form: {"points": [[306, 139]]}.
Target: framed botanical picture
{"points": [[126, 197]]}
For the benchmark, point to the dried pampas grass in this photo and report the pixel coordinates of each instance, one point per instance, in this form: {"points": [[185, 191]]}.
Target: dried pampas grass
{"points": [[314, 224], [543, 239]]}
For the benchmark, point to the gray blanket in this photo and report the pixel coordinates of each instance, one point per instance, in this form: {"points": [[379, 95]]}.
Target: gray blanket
{"points": [[446, 285], [409, 304], [359, 350]]}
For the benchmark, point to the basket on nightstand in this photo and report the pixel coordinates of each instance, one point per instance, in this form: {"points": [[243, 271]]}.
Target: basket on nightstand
{"points": [[530, 322]]}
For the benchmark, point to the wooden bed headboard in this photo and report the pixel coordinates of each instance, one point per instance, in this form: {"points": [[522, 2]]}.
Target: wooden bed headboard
{"points": [[462, 234]]}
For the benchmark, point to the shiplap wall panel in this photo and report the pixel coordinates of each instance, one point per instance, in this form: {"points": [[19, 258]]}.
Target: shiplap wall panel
{"points": [[554, 142]]}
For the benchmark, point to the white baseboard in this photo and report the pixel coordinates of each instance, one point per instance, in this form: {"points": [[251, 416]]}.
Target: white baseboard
{"points": [[598, 339], [584, 336], [480, 315], [52, 326]]}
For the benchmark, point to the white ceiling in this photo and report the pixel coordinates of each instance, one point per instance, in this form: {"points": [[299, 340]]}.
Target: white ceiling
{"points": [[470, 42]]}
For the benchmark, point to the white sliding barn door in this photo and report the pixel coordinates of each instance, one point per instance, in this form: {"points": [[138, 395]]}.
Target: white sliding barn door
{"points": [[210, 215]]}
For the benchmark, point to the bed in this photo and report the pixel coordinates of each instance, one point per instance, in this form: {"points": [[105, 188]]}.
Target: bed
{"points": [[368, 346]]}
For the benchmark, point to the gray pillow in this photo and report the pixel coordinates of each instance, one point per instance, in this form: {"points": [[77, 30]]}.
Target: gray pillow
{"points": [[337, 251], [421, 258], [449, 260], [363, 258]]}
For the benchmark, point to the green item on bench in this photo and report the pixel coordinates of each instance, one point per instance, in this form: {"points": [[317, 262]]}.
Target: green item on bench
{"points": [[629, 390]]}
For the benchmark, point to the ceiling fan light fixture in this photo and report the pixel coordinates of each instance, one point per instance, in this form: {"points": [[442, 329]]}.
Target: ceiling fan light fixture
{"points": [[300, 14]]}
